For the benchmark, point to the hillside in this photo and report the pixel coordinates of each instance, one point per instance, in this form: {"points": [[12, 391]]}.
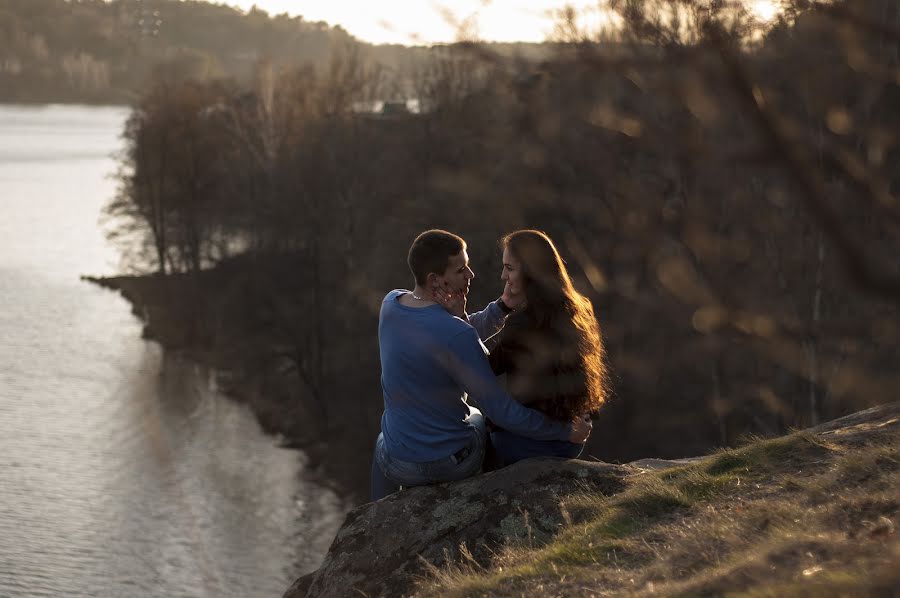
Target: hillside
{"points": [[813, 513], [96, 51]]}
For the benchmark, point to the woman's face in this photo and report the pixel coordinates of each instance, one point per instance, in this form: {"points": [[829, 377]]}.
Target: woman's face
{"points": [[512, 273]]}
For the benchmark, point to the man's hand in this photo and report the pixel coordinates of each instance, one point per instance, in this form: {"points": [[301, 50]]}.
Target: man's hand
{"points": [[512, 300], [453, 301], [581, 429]]}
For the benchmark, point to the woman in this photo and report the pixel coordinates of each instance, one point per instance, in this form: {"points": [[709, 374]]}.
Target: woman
{"points": [[550, 348]]}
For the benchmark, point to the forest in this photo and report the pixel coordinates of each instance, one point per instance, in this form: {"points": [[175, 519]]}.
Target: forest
{"points": [[724, 191], [106, 51], [94, 51]]}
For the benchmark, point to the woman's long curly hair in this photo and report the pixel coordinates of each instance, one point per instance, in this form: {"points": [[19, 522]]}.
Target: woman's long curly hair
{"points": [[569, 332]]}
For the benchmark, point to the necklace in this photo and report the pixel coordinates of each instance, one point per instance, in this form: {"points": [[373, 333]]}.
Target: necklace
{"points": [[417, 298]]}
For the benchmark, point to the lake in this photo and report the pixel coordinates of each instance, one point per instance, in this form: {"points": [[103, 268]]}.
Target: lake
{"points": [[124, 472]]}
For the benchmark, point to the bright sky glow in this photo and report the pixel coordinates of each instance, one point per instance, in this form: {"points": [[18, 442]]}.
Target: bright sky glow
{"points": [[766, 10], [432, 21], [426, 21]]}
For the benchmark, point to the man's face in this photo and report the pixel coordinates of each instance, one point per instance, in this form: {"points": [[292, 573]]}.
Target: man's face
{"points": [[458, 274]]}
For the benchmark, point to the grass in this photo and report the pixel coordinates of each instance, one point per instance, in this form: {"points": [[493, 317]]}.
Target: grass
{"points": [[793, 516]]}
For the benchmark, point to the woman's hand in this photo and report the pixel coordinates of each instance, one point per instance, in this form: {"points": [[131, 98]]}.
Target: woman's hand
{"points": [[512, 300], [581, 429], [454, 302]]}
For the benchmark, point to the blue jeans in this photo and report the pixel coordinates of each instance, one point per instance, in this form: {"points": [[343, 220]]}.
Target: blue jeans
{"points": [[388, 473], [509, 448]]}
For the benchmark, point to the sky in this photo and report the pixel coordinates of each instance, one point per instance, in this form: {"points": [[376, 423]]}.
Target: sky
{"points": [[426, 21]]}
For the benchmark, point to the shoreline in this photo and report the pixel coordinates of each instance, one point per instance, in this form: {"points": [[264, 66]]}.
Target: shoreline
{"points": [[164, 323], [83, 103]]}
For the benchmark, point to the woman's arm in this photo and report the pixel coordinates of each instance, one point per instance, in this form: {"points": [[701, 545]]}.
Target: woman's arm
{"points": [[489, 321]]}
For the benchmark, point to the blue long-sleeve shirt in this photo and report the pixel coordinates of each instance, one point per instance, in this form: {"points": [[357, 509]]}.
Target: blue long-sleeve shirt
{"points": [[430, 361]]}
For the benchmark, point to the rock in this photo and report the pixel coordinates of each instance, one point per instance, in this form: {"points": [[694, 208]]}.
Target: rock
{"points": [[381, 547], [860, 423], [299, 588]]}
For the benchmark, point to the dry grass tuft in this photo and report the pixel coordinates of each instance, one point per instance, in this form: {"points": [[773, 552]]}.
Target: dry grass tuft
{"points": [[793, 516]]}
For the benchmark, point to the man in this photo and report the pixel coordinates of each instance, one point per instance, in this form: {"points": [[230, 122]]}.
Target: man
{"points": [[431, 360]]}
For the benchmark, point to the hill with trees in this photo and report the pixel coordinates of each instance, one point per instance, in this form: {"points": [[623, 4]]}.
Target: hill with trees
{"points": [[106, 51], [99, 51]]}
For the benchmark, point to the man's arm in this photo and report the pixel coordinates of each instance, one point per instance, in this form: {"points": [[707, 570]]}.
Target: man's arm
{"points": [[469, 367]]}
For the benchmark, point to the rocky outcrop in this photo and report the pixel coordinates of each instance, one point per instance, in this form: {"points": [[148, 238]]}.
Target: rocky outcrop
{"points": [[382, 547]]}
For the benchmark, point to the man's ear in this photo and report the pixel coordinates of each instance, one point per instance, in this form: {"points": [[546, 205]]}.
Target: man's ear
{"points": [[432, 280]]}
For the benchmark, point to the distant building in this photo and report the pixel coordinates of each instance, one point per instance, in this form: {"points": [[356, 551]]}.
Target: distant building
{"points": [[394, 109], [387, 109]]}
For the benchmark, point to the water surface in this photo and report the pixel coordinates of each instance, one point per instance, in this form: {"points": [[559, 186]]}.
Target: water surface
{"points": [[122, 471]]}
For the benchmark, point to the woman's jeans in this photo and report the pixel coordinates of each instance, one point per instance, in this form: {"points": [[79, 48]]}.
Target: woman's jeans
{"points": [[507, 448], [388, 474]]}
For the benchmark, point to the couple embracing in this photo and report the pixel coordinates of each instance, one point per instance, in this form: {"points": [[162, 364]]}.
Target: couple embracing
{"points": [[446, 414]]}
